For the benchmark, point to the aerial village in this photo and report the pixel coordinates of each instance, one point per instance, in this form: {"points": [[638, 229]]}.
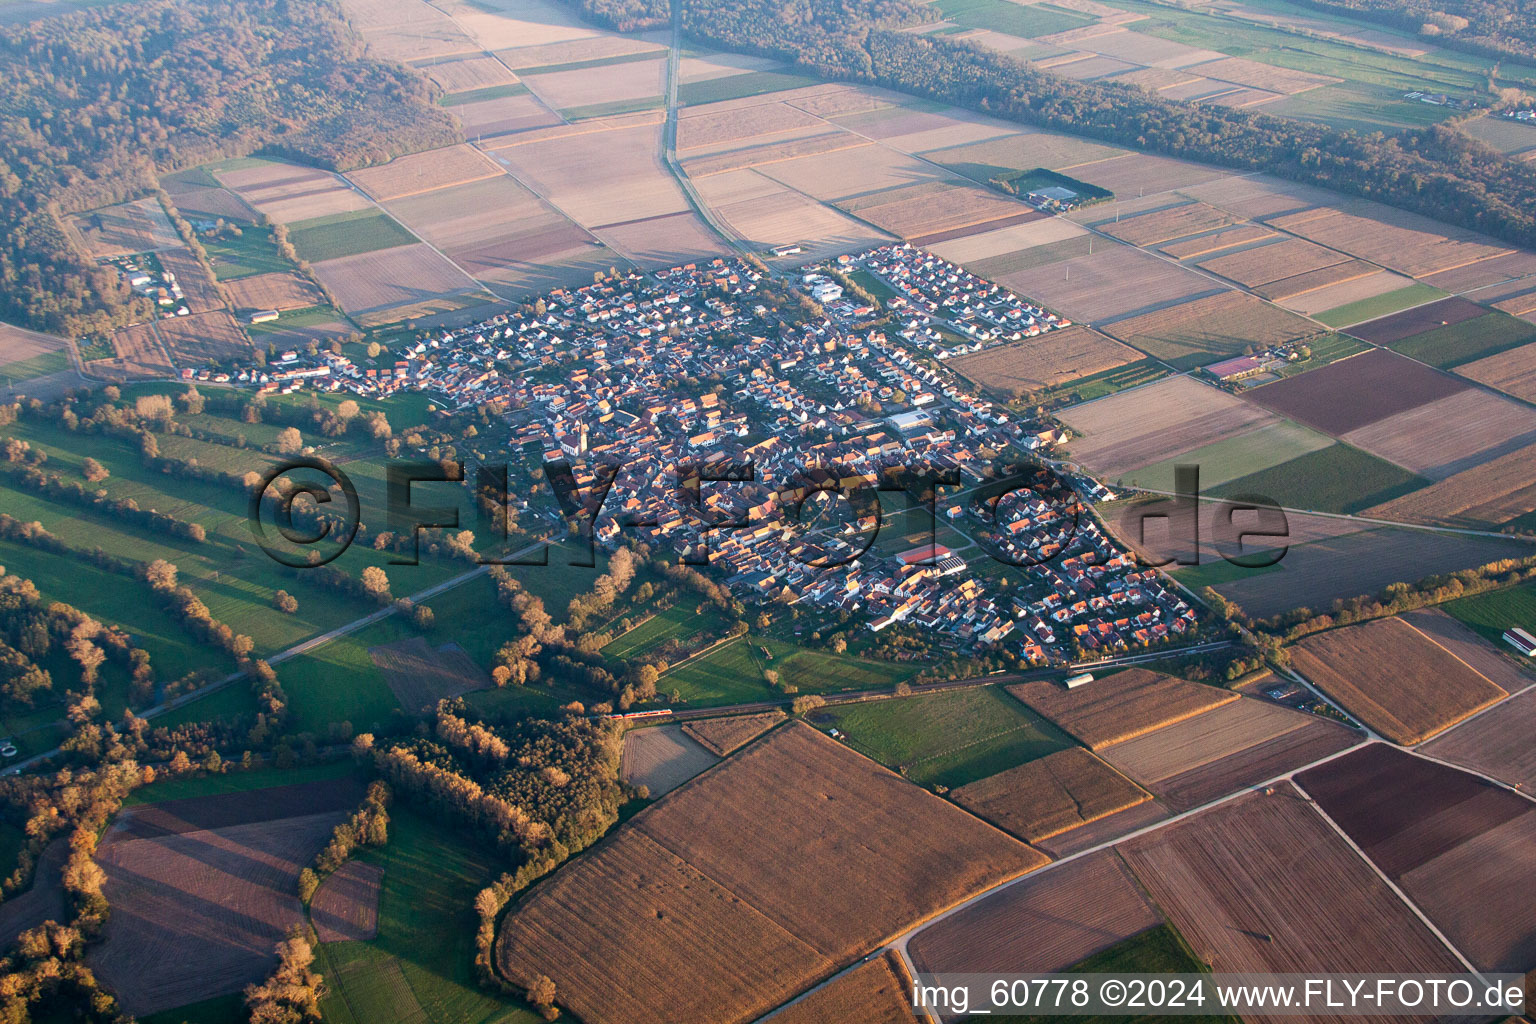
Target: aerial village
{"points": [[695, 371]]}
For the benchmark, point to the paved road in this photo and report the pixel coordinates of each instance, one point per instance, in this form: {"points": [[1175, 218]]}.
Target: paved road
{"points": [[292, 652]]}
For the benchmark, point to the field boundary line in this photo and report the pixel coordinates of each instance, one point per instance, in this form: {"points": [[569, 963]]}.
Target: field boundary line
{"points": [[902, 940], [1407, 902], [1474, 716]]}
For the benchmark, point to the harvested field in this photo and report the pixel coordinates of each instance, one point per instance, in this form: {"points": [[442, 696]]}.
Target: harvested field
{"points": [[1490, 494], [43, 900], [424, 172], [288, 194], [966, 230], [1163, 225], [1022, 151], [607, 83], [1044, 361], [1345, 293], [346, 906], [1496, 743], [725, 736], [1518, 264], [1239, 744], [1480, 895], [1143, 172], [1499, 667], [273, 291], [662, 241], [754, 915], [1002, 242], [406, 31], [1273, 261], [204, 338], [604, 46], [704, 126], [769, 214], [196, 914], [599, 177], [419, 676], [1402, 241], [27, 356], [879, 992], [1462, 848], [1257, 75], [1262, 884], [1517, 305], [201, 293], [1159, 421], [1045, 923], [504, 115], [1387, 329], [127, 228], [1044, 798], [1193, 333], [391, 277], [1442, 438], [466, 74], [1355, 392], [1394, 678], [863, 171], [772, 152], [1122, 706], [499, 231], [1104, 830], [921, 212], [195, 201], [1115, 281], [1404, 811], [1242, 234], [661, 758], [1363, 562], [138, 354]]}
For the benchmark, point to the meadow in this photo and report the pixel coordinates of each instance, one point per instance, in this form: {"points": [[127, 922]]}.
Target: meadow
{"points": [[426, 934], [347, 234], [1379, 305], [1469, 340], [1491, 613], [1338, 478], [947, 739], [254, 252]]}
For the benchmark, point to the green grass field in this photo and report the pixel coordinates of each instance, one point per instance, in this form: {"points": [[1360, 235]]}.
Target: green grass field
{"points": [[1014, 19], [347, 234], [1097, 385], [1216, 571], [949, 738], [1234, 457], [1455, 344], [236, 781], [735, 87], [612, 109], [729, 674], [494, 92], [1334, 479], [254, 252], [680, 622], [1326, 348], [1494, 612], [230, 1009], [424, 951], [1158, 950], [289, 319], [1379, 305], [40, 365]]}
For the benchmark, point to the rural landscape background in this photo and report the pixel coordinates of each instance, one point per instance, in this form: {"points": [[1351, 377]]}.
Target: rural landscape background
{"points": [[630, 511]]}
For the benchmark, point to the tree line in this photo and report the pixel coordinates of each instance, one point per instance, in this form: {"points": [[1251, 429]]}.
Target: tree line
{"points": [[102, 101], [1436, 171]]}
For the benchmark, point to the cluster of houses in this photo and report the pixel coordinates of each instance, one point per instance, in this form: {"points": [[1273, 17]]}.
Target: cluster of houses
{"points": [[719, 418], [947, 310], [146, 277], [1524, 116]]}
